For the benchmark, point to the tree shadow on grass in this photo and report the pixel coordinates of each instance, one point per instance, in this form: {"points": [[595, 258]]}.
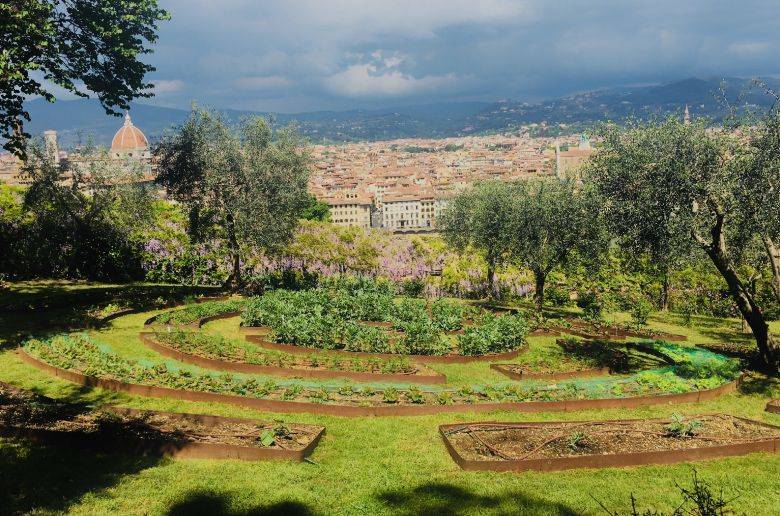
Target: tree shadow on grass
{"points": [[760, 384], [211, 503], [439, 498], [35, 478]]}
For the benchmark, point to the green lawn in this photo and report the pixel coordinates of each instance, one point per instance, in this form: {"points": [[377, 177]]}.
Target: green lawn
{"points": [[363, 465]]}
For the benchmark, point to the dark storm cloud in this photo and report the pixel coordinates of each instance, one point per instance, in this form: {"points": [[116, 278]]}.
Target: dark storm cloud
{"points": [[296, 55]]}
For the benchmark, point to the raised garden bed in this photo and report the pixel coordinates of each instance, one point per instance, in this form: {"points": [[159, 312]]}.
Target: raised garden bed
{"points": [[555, 446], [420, 359], [297, 367], [520, 372], [195, 316], [591, 330], [773, 406], [112, 429], [376, 322], [363, 403]]}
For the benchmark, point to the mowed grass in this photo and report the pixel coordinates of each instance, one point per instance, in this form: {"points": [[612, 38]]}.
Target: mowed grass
{"points": [[363, 465]]}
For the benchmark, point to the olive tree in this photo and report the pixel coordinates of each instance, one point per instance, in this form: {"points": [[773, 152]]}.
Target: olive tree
{"points": [[689, 172], [78, 45], [481, 218], [553, 222], [250, 183], [757, 188]]}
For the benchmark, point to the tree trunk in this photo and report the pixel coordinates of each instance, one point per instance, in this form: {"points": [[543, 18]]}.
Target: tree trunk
{"points": [[774, 262], [664, 300], [234, 281], [539, 278], [767, 346], [491, 280]]}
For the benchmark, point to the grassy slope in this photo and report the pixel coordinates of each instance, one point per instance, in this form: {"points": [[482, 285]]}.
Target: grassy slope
{"points": [[363, 466]]}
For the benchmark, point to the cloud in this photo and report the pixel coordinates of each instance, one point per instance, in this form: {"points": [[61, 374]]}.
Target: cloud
{"points": [[295, 55], [749, 49], [382, 77], [363, 80], [262, 82], [162, 87]]}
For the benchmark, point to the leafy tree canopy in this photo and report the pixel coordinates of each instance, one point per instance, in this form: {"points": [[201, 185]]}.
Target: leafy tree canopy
{"points": [[481, 218], [552, 222], [79, 45], [250, 182]]}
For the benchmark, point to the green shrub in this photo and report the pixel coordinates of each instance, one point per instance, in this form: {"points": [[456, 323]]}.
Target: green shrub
{"points": [[712, 368], [421, 337], [358, 337], [640, 311], [413, 287], [557, 295], [500, 334], [592, 305], [447, 315]]}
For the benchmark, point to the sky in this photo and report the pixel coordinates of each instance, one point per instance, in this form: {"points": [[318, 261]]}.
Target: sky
{"points": [[308, 55]]}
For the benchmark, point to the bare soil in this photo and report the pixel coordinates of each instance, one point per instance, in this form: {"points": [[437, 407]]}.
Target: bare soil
{"points": [[22, 409], [494, 441]]}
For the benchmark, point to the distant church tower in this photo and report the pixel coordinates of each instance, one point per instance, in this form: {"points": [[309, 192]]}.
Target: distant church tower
{"points": [[52, 149], [687, 116]]}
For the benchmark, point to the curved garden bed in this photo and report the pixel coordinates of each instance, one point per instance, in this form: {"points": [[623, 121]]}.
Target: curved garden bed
{"points": [[421, 359], [516, 372], [114, 429], [360, 409], [378, 323], [552, 446], [195, 316], [421, 376]]}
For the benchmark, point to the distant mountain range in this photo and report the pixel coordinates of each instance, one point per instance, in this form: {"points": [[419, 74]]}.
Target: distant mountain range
{"points": [[76, 120]]}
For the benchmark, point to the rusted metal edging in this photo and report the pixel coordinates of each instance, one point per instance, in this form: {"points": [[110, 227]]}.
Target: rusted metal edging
{"points": [[563, 375], [377, 410], [167, 447], [242, 367], [672, 456]]}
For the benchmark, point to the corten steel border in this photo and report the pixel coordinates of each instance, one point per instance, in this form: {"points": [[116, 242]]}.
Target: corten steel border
{"points": [[165, 447], [541, 332], [773, 406], [226, 315], [242, 367], [383, 410], [421, 359], [197, 324], [771, 445], [254, 330], [563, 375], [617, 333], [120, 313]]}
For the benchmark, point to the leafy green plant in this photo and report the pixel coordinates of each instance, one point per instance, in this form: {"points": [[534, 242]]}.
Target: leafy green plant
{"points": [[415, 395], [447, 315], [390, 395], [267, 438], [680, 427], [444, 398], [495, 336], [576, 440]]}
